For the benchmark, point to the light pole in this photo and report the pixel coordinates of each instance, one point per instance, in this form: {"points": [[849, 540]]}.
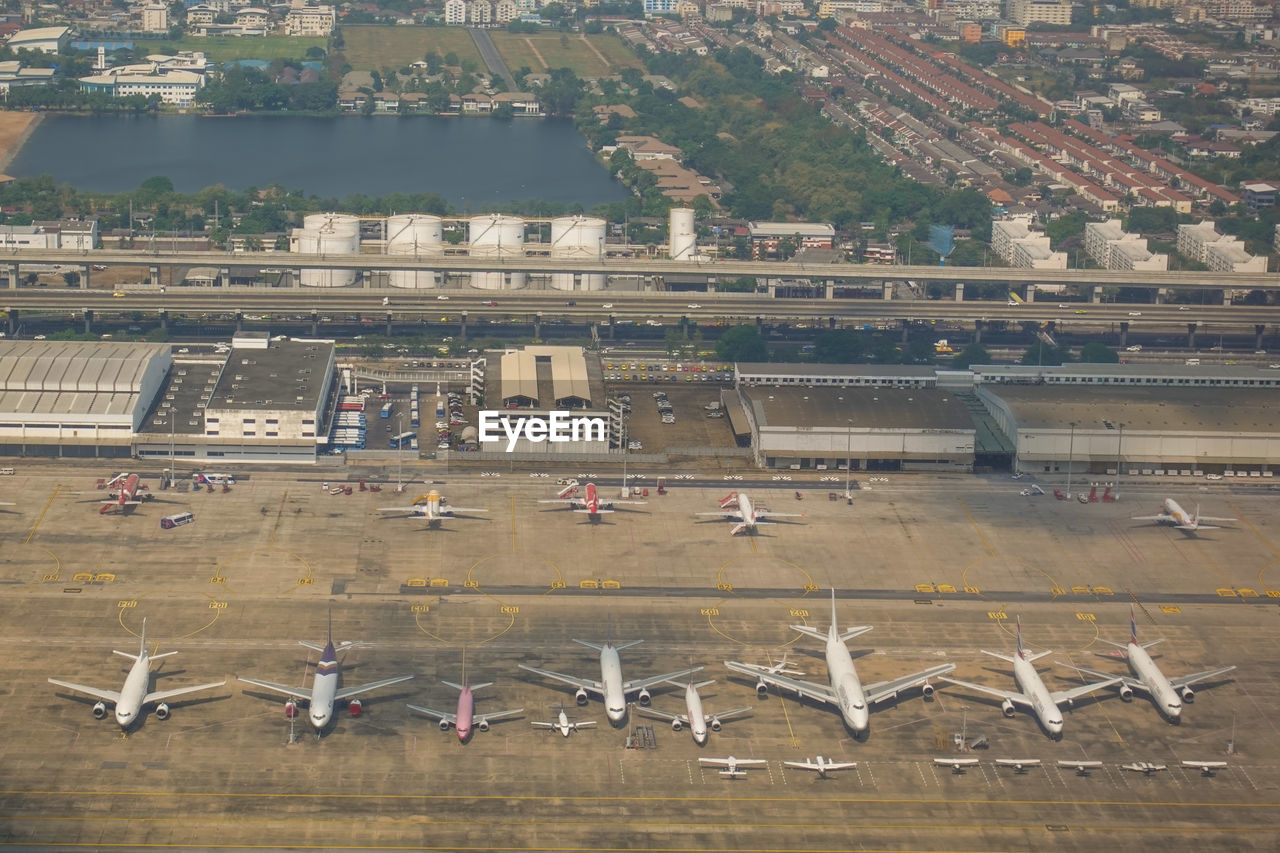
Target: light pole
{"points": [[1071, 443], [399, 443], [848, 457], [1115, 494]]}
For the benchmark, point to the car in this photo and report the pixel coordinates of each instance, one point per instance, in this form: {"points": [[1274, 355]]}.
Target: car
{"points": [[1011, 302], [1184, 307], [40, 338], [1135, 313], [1063, 305], [183, 351], [98, 267], [442, 298], [1213, 476], [118, 295], [694, 305], [571, 303], [607, 305], [490, 302], [1134, 348], [1081, 311]]}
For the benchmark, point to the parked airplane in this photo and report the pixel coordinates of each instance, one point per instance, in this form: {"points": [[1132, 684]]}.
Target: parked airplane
{"points": [[611, 688], [1031, 692], [737, 506], [1019, 765], [590, 503], [1082, 768], [465, 717], [1172, 514], [1146, 768], [326, 688], [124, 490], [694, 717], [844, 690], [1206, 768], [820, 765], [131, 698], [734, 766], [957, 765], [432, 507], [1164, 692], [562, 724]]}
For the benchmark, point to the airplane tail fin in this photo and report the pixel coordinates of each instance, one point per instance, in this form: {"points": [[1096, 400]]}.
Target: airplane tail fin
{"points": [[621, 646], [464, 686], [328, 639], [1133, 627], [1195, 519], [811, 632], [1022, 652], [142, 646], [728, 500]]}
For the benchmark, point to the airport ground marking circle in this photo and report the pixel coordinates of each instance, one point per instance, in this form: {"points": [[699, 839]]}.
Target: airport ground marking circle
{"points": [[511, 621], [1263, 570], [56, 574], [220, 578], [964, 574], [733, 639], [808, 586], [471, 583]]}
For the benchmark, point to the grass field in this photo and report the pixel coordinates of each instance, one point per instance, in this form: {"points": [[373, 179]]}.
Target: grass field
{"points": [[372, 48], [596, 56], [227, 49]]}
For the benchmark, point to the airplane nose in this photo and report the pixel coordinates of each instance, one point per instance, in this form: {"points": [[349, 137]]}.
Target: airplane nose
{"points": [[1055, 727]]}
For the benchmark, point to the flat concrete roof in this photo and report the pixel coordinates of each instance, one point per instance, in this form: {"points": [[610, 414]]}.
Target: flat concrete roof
{"points": [[1154, 408], [859, 371], [285, 375], [867, 408]]}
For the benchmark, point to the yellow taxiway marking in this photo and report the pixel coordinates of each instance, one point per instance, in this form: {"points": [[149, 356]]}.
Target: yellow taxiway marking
{"points": [[1265, 541], [48, 504], [964, 574], [509, 613]]}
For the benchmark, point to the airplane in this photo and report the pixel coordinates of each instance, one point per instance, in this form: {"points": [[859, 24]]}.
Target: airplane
{"points": [[326, 689], [131, 698], [1172, 514], [124, 490], [1031, 692], [611, 688], [1164, 692], [843, 690], [820, 765], [732, 764], [465, 717], [1019, 765], [1146, 768], [590, 503], [431, 507], [736, 505], [1082, 768], [694, 717], [562, 724], [957, 765], [1206, 768]]}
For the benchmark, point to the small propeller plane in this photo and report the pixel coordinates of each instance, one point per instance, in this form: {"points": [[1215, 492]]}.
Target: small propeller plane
{"points": [[734, 767], [821, 766]]}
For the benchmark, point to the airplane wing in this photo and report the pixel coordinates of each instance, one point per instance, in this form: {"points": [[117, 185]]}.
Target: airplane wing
{"points": [[1197, 526], [451, 719], [724, 762], [663, 715], [162, 695], [1212, 518], [599, 511], [104, 695], [727, 715], [414, 509], [348, 692], [808, 689], [1197, 677], [1012, 695], [642, 683], [727, 513], [1075, 693], [498, 715], [1127, 681], [825, 766], [764, 513], [450, 510], [1161, 517], [572, 681], [888, 689], [295, 692]]}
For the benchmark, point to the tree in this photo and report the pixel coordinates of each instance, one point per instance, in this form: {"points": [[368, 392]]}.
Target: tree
{"points": [[1096, 353], [1045, 355], [973, 354], [838, 346], [742, 343]]}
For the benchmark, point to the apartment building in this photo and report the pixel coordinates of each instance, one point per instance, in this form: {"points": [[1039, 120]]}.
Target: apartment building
{"points": [[312, 21], [1114, 249], [1027, 12]]}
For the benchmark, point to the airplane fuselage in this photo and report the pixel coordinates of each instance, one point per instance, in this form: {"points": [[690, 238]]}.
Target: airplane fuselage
{"points": [[1042, 704], [466, 714], [134, 692], [615, 698], [1158, 687], [850, 697], [747, 510], [562, 723], [1178, 515], [697, 719], [324, 689]]}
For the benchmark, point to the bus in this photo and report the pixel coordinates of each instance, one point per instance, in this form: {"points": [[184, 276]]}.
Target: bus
{"points": [[386, 411], [403, 439]]}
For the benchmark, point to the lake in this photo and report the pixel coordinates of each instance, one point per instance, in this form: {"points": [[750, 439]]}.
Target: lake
{"points": [[472, 162]]}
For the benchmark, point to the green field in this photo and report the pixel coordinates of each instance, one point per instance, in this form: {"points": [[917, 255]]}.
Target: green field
{"points": [[586, 56], [372, 48], [228, 49]]}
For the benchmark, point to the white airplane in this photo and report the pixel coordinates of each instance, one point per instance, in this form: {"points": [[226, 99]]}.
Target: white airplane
{"points": [[1172, 514], [1019, 765], [694, 717], [733, 765], [843, 690], [562, 724], [465, 719], [737, 506], [1031, 692], [131, 698], [1206, 768], [590, 503], [611, 688], [1168, 694], [957, 765], [1082, 768], [431, 507], [326, 689], [1146, 768], [820, 765]]}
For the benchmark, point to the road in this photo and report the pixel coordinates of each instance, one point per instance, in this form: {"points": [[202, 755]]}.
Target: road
{"points": [[491, 57]]}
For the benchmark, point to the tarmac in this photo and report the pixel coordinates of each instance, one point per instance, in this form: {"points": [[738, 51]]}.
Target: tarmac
{"points": [[940, 566]]}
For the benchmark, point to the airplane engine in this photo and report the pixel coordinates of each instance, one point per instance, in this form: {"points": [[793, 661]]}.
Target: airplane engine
{"points": [[676, 725], [762, 689], [444, 725], [162, 711], [580, 697], [715, 724], [99, 710], [1006, 707], [355, 707], [290, 709], [483, 725], [643, 697], [927, 690], [1126, 693], [1188, 695]]}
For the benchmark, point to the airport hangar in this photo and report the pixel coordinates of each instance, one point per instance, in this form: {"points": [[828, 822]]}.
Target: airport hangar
{"points": [[1170, 418], [265, 400]]}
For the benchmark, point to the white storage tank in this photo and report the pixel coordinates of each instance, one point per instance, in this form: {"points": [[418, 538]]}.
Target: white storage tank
{"points": [[499, 237], [417, 235], [580, 238], [683, 239], [327, 234]]}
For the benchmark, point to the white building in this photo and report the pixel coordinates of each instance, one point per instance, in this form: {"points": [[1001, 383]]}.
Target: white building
{"points": [[311, 21], [155, 18], [13, 74], [175, 88], [480, 13], [1027, 12], [1014, 241], [1113, 249], [505, 11], [455, 13], [1219, 252]]}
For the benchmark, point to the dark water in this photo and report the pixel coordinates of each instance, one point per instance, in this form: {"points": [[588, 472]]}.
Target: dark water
{"points": [[469, 161]]}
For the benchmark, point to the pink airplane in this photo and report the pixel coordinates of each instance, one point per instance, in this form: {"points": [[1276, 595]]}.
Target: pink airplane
{"points": [[465, 720]]}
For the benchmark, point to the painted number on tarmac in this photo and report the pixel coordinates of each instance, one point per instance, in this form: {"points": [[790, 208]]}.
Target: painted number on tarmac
{"points": [[800, 614], [610, 585], [82, 577], [557, 584], [711, 611], [588, 584], [1170, 608], [1102, 590], [997, 615], [305, 581], [217, 579], [439, 582], [217, 605], [416, 582], [725, 587], [512, 609], [972, 590], [470, 584], [925, 587], [419, 608], [810, 587], [52, 577], [946, 587], [125, 604]]}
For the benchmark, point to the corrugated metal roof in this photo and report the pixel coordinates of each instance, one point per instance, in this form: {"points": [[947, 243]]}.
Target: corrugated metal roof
{"points": [[519, 376], [569, 375], [54, 380]]}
